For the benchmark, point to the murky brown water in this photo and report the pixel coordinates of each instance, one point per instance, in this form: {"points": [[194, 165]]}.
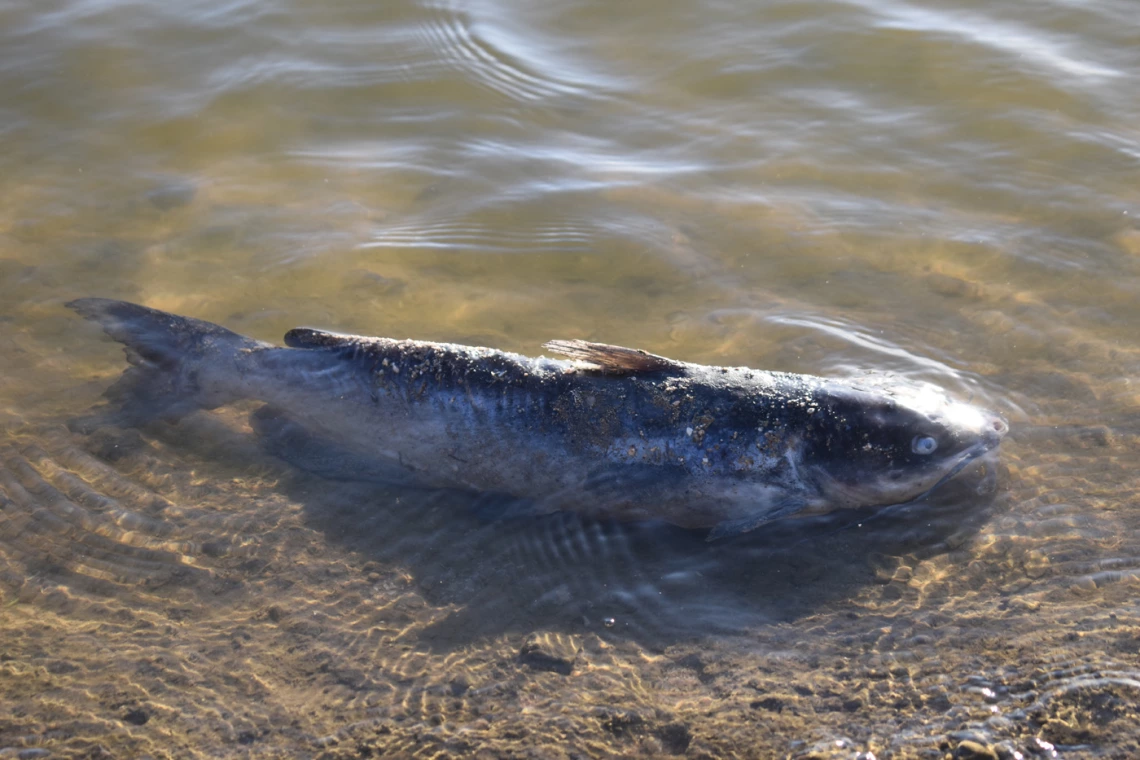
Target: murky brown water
{"points": [[946, 191]]}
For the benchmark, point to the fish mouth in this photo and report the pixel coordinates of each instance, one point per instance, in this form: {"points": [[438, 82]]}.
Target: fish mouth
{"points": [[982, 447]]}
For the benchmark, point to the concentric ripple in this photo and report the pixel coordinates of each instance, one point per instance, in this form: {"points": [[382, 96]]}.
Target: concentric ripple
{"points": [[453, 35]]}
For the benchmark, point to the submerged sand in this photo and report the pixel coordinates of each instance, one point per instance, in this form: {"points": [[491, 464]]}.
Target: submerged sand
{"points": [[177, 592]]}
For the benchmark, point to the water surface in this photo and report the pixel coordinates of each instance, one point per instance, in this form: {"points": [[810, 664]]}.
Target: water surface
{"points": [[942, 191]]}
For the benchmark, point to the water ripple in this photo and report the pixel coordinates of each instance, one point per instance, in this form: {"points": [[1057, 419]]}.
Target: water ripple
{"points": [[475, 236], [1022, 43], [58, 509], [457, 39]]}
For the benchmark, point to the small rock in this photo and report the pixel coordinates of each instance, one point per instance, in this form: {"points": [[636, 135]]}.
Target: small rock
{"points": [[675, 737], [111, 445], [136, 717], [958, 540], [1094, 435], [365, 284], [955, 287], [1005, 751], [1041, 748], [939, 703], [33, 754], [551, 652], [172, 193], [971, 750], [827, 749], [771, 704], [622, 723]]}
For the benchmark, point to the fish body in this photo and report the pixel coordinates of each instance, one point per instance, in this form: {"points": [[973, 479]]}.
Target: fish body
{"points": [[611, 432]]}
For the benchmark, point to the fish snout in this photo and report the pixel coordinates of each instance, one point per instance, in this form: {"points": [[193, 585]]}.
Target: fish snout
{"points": [[995, 429]]}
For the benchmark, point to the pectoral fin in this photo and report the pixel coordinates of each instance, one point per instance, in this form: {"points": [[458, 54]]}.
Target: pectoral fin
{"points": [[730, 528]]}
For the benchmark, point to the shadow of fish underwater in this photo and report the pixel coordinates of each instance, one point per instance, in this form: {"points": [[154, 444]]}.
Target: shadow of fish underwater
{"points": [[608, 432]]}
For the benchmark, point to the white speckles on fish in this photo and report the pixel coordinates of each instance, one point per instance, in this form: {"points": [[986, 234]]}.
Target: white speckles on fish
{"points": [[614, 433]]}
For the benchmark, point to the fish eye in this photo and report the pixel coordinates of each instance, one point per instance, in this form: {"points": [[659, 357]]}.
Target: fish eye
{"points": [[923, 444]]}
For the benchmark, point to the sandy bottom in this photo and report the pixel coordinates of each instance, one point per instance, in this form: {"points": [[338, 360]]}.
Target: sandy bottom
{"points": [[180, 593]]}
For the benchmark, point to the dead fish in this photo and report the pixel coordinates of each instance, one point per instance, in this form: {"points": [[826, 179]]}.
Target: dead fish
{"points": [[610, 432]]}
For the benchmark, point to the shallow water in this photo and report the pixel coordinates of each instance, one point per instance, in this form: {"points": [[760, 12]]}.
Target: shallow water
{"points": [[943, 191]]}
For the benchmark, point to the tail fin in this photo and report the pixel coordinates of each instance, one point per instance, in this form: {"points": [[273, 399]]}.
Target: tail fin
{"points": [[179, 364]]}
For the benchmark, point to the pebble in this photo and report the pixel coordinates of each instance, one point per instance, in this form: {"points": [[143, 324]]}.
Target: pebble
{"points": [[1006, 751], [1041, 748], [971, 750], [136, 717], [172, 193], [955, 287], [674, 737], [550, 652], [966, 735], [1082, 585]]}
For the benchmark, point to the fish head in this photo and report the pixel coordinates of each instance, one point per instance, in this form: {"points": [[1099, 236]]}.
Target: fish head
{"points": [[871, 446]]}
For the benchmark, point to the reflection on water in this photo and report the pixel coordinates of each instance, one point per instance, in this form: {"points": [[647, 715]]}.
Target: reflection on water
{"points": [[938, 193]]}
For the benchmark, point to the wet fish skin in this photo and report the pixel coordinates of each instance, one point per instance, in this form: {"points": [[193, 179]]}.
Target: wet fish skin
{"points": [[617, 433]]}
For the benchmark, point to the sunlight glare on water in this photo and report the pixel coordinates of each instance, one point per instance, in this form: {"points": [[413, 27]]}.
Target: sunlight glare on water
{"points": [[889, 192]]}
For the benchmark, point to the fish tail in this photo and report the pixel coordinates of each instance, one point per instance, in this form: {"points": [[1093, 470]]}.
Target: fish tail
{"points": [[178, 364]]}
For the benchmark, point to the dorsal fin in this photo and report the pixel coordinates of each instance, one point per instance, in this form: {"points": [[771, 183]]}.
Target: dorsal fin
{"points": [[308, 337], [616, 360]]}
